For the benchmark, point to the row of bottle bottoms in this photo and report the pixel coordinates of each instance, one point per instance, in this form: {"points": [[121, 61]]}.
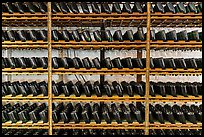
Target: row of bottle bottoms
{"points": [[102, 132], [76, 62], [102, 112], [106, 88], [100, 35], [104, 7]]}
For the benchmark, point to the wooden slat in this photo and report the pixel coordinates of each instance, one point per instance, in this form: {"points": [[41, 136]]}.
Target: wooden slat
{"points": [[176, 71], [28, 42], [177, 125], [101, 71], [94, 98], [24, 70], [28, 124], [125, 42], [93, 124], [167, 19]]}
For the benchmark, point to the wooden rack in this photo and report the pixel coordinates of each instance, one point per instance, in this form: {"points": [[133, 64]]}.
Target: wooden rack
{"points": [[102, 20]]}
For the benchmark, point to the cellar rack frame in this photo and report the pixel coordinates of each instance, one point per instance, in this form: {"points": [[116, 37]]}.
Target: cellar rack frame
{"points": [[149, 45]]}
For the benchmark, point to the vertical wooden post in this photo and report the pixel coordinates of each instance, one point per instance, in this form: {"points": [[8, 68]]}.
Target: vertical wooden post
{"points": [[49, 38], [147, 71]]}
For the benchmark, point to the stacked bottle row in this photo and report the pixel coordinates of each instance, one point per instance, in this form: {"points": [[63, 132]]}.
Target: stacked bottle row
{"points": [[66, 62], [132, 112], [102, 112], [24, 112], [106, 88], [72, 7], [103, 132], [99, 35]]}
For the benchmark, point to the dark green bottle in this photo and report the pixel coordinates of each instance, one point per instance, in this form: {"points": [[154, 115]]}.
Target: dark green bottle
{"points": [[161, 35], [191, 7], [171, 35], [200, 36], [199, 7], [193, 35], [180, 8], [182, 35]]}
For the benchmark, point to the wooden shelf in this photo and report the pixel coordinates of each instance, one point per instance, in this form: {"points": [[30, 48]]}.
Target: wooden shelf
{"points": [[26, 14], [100, 71], [171, 42], [157, 19], [94, 98], [60, 19], [27, 42], [29, 97], [104, 99], [111, 20], [176, 20], [126, 98], [175, 44], [169, 15], [102, 125], [25, 127], [177, 71], [136, 19], [124, 71], [29, 71], [159, 98], [24, 99], [37, 15], [26, 19], [28, 125], [24, 70], [82, 98], [137, 44], [168, 125]]}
